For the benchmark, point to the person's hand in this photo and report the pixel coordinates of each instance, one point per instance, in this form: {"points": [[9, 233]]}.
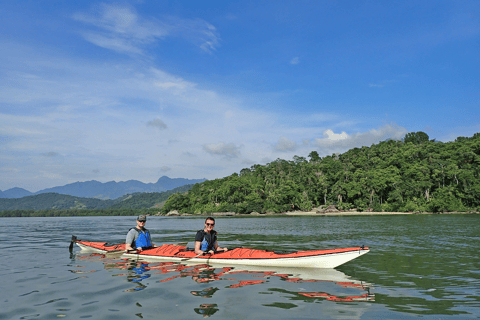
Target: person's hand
{"points": [[211, 251], [225, 249], [139, 249]]}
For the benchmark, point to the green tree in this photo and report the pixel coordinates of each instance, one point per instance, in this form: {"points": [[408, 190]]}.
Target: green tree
{"points": [[416, 137]]}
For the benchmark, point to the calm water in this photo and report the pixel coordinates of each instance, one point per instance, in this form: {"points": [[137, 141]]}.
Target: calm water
{"points": [[419, 266]]}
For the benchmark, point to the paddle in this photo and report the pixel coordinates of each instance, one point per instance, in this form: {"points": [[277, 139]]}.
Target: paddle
{"points": [[184, 244], [130, 251], [71, 243], [193, 257], [113, 252], [200, 255]]}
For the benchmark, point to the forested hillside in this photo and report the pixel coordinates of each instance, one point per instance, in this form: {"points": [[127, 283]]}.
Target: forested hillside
{"points": [[416, 174], [51, 203], [148, 200], [54, 201]]}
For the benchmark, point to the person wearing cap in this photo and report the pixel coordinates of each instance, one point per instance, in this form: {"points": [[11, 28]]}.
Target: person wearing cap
{"points": [[138, 238]]}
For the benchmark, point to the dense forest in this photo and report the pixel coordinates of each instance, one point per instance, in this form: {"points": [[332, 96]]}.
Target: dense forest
{"points": [[412, 175], [54, 204], [415, 174]]}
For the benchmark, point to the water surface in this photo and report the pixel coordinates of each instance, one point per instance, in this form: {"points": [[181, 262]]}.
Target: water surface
{"points": [[419, 266]]}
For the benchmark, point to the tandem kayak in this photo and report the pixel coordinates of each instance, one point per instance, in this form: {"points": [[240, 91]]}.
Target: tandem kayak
{"points": [[324, 259]]}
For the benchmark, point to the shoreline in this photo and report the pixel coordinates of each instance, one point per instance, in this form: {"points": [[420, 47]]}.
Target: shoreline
{"points": [[314, 213], [347, 213]]}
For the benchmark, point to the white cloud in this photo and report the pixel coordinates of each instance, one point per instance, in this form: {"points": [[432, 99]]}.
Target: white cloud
{"points": [[112, 43], [157, 123], [342, 142], [50, 154], [228, 150], [284, 144], [295, 60], [121, 28], [92, 116], [331, 136]]}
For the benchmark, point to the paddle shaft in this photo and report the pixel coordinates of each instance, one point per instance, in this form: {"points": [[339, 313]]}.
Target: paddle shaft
{"points": [[193, 257], [129, 251], [200, 255]]}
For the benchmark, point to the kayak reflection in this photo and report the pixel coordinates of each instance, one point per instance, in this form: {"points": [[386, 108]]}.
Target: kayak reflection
{"points": [[137, 271], [241, 276]]}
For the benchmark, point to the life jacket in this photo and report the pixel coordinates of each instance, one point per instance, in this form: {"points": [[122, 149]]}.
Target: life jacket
{"points": [[209, 240], [143, 239]]}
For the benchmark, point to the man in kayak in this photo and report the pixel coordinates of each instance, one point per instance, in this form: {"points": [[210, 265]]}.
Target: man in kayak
{"points": [[138, 238], [206, 239]]}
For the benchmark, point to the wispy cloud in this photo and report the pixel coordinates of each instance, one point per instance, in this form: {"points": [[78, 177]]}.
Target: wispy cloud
{"points": [[95, 115], [120, 28], [285, 144], [157, 123], [228, 150], [295, 60], [86, 133], [50, 154]]}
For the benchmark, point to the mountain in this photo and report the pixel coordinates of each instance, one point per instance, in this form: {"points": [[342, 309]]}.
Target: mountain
{"points": [[48, 201], [107, 190], [53, 201], [15, 193]]}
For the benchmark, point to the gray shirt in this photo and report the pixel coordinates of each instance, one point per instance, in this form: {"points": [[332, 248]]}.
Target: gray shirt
{"points": [[132, 236]]}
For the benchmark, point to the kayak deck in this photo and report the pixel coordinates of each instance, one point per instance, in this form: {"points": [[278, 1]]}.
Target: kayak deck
{"points": [[326, 258]]}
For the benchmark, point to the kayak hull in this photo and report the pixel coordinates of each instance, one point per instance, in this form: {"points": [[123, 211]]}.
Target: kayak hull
{"points": [[323, 259]]}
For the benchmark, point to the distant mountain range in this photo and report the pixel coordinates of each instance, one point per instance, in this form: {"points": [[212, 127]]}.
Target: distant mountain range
{"points": [[49, 201], [107, 190]]}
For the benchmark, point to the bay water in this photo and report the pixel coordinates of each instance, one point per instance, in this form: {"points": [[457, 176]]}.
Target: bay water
{"points": [[419, 266]]}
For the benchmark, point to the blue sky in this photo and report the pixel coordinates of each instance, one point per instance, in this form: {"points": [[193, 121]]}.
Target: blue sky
{"points": [[201, 89]]}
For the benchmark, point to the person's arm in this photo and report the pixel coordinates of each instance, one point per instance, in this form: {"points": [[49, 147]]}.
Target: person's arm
{"points": [[197, 247], [198, 242], [153, 245], [130, 239], [217, 248]]}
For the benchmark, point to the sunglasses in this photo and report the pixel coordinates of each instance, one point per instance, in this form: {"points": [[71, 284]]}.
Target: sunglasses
{"points": [[210, 224]]}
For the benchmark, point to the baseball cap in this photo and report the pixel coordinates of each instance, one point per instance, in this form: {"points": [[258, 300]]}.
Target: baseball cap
{"points": [[142, 218]]}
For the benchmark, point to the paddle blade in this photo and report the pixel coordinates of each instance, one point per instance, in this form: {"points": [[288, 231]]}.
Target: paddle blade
{"points": [[74, 239]]}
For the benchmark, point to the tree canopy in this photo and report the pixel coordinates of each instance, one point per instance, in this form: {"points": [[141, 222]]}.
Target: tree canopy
{"points": [[416, 174]]}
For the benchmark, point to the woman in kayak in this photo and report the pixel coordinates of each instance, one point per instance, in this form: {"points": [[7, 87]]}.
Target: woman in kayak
{"points": [[138, 238], [206, 239]]}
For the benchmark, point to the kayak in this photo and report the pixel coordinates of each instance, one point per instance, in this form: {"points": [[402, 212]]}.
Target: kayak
{"points": [[324, 259]]}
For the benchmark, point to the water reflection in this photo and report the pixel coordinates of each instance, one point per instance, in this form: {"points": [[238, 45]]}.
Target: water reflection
{"points": [[206, 309], [300, 285], [205, 293]]}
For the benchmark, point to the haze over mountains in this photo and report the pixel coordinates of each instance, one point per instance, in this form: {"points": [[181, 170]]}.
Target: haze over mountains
{"points": [[107, 190]]}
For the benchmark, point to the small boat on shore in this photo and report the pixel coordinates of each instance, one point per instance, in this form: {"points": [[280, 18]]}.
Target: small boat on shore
{"points": [[324, 259]]}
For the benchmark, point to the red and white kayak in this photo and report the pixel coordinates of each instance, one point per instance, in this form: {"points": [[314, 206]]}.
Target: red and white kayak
{"points": [[326, 259]]}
